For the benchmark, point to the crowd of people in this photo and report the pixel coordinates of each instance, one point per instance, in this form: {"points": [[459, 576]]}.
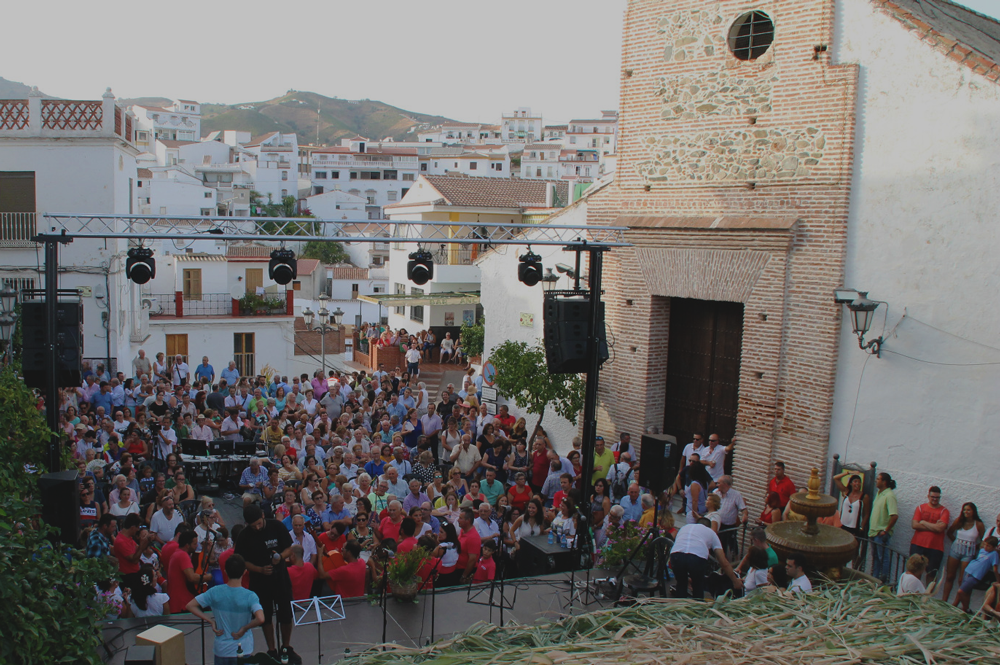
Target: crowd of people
{"points": [[350, 466]]}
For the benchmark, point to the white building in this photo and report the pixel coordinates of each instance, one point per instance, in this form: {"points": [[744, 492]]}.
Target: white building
{"points": [[71, 156], [380, 173], [471, 160], [540, 161], [173, 191], [170, 152], [178, 121], [451, 297], [922, 237], [521, 126], [272, 162], [337, 205]]}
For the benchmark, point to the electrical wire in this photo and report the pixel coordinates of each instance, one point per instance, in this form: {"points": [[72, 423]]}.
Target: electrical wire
{"points": [[934, 362], [857, 399], [951, 334]]}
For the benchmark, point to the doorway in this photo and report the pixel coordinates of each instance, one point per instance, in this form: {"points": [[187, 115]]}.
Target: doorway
{"points": [[703, 368]]}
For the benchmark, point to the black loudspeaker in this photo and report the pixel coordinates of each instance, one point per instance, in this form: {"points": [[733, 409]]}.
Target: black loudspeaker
{"points": [[141, 654], [61, 503], [566, 320], [659, 458], [69, 343]]}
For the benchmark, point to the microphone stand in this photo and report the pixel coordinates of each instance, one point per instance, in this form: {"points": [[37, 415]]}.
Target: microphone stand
{"points": [[385, 588], [433, 575]]}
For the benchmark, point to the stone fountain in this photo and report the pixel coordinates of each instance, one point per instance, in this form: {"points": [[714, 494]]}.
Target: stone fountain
{"points": [[826, 548]]}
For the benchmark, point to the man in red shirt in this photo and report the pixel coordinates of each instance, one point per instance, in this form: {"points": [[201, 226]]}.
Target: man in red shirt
{"points": [[128, 552], [505, 420], [302, 573], [389, 527], [349, 579], [930, 521], [171, 546], [565, 482], [781, 484], [333, 539], [406, 531], [432, 566], [470, 541], [486, 569], [180, 572]]}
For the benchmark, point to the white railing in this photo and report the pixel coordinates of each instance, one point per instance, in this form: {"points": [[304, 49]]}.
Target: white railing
{"points": [[17, 229], [399, 163]]}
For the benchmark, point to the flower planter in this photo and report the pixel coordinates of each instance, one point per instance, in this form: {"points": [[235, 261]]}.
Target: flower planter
{"points": [[405, 592]]}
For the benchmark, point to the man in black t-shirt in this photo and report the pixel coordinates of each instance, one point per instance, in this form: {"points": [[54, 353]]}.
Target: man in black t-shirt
{"points": [[264, 545]]}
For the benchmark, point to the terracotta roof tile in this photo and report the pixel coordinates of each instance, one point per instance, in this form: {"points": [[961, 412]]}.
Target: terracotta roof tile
{"points": [[144, 173], [348, 272], [461, 190]]}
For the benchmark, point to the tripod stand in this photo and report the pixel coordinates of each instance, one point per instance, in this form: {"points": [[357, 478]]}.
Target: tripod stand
{"points": [[645, 581]]}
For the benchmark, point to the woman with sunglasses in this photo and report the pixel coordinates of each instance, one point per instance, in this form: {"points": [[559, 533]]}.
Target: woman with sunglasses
{"points": [[362, 533]]}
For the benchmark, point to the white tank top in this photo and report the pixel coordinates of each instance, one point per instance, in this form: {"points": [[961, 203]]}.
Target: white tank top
{"points": [[970, 535], [850, 513]]}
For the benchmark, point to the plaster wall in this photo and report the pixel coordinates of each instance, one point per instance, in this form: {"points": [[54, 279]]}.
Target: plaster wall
{"points": [[922, 236], [273, 340]]}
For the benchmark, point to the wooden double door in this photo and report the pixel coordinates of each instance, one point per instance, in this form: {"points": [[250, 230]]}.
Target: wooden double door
{"points": [[703, 368]]}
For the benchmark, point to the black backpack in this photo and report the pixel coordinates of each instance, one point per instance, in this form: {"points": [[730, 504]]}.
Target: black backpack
{"points": [[619, 486]]}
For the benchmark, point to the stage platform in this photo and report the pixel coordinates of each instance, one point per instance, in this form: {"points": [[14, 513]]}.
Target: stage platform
{"points": [[533, 599]]}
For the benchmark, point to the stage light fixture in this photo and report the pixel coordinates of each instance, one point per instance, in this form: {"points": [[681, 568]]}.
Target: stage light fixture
{"points": [[283, 267], [420, 268], [529, 270], [140, 266]]}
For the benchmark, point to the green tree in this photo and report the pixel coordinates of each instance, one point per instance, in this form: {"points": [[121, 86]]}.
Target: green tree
{"points": [[472, 338], [522, 376], [328, 251], [48, 605]]}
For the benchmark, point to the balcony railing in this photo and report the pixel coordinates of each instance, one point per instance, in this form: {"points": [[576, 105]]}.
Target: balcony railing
{"points": [[181, 305], [36, 116], [17, 228]]}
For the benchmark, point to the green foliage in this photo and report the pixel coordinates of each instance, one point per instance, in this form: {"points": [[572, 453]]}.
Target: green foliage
{"points": [[252, 302], [329, 252], [404, 567], [48, 606], [522, 375], [472, 338], [622, 541]]}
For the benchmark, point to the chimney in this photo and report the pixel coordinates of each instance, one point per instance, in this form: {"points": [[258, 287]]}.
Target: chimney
{"points": [[550, 191]]}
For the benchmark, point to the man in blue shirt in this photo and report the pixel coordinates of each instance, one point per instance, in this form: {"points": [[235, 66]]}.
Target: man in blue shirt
{"points": [[237, 611], [632, 504], [205, 371], [102, 398], [231, 374]]}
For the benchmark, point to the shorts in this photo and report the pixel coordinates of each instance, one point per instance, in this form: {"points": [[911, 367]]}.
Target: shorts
{"points": [[933, 557], [968, 584], [255, 498], [277, 592]]}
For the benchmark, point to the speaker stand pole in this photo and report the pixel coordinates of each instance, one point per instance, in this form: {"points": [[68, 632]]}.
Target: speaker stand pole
{"points": [[52, 241], [584, 541]]}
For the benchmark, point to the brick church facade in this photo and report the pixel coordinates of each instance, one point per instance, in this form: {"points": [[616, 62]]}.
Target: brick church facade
{"points": [[734, 180]]}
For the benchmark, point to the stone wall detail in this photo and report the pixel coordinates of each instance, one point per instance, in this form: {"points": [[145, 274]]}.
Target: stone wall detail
{"points": [[728, 275], [733, 155], [716, 93], [692, 34]]}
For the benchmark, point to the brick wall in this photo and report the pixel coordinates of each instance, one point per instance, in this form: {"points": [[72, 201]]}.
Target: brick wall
{"points": [[734, 179]]}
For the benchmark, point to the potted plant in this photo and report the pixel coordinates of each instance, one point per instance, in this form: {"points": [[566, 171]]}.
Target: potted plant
{"points": [[622, 541], [248, 304], [404, 580], [275, 306]]}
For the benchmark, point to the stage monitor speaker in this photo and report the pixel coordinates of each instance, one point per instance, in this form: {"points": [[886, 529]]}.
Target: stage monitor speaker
{"points": [[60, 493], [565, 330], [659, 457], [69, 343]]}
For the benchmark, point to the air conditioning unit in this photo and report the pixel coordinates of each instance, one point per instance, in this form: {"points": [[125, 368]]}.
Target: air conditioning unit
{"points": [[152, 303]]}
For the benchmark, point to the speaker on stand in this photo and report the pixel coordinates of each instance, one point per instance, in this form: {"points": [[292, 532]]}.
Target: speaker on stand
{"points": [[69, 343], [60, 493], [659, 459], [566, 319]]}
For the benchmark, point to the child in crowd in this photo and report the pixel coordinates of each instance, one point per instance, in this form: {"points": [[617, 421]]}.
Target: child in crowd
{"points": [[976, 570], [486, 569]]}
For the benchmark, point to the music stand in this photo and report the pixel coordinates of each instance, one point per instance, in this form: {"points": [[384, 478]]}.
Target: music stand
{"points": [[318, 611], [498, 583]]}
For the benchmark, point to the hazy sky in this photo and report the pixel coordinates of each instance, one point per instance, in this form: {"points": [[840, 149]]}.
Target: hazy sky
{"points": [[465, 59]]}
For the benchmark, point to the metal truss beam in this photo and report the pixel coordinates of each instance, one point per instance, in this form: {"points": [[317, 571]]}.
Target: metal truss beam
{"points": [[287, 229]]}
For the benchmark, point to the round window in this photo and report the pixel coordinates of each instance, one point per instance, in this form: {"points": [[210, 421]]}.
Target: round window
{"points": [[751, 35]]}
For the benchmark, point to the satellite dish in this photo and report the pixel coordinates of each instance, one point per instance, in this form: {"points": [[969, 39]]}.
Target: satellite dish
{"points": [[238, 291]]}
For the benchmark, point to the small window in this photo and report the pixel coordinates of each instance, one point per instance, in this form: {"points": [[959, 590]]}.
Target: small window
{"points": [[473, 166], [410, 177], [392, 195], [284, 175], [320, 175], [751, 35], [423, 167]]}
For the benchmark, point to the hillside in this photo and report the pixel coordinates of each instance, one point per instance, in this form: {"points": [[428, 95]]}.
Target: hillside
{"points": [[297, 112], [14, 90]]}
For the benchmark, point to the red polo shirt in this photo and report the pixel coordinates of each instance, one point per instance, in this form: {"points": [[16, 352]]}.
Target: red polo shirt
{"points": [[349, 579], [124, 548], [389, 529], [784, 488], [302, 580], [471, 543]]}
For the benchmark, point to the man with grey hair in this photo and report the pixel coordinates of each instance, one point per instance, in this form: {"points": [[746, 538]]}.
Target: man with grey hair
{"points": [[732, 514], [141, 364], [612, 519], [304, 539], [394, 484]]}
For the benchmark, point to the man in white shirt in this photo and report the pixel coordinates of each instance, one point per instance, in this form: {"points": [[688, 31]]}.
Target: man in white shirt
{"points": [[301, 537], [413, 361], [431, 424], [349, 468], [486, 527], [697, 446], [231, 425], [447, 347], [714, 458], [795, 566], [732, 513], [482, 420], [165, 521], [166, 440], [620, 475], [396, 485], [187, 406], [467, 457], [201, 431], [403, 466], [689, 559], [180, 371]]}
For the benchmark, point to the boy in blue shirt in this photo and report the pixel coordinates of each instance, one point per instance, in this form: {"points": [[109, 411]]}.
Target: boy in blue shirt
{"points": [[976, 570], [237, 612]]}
